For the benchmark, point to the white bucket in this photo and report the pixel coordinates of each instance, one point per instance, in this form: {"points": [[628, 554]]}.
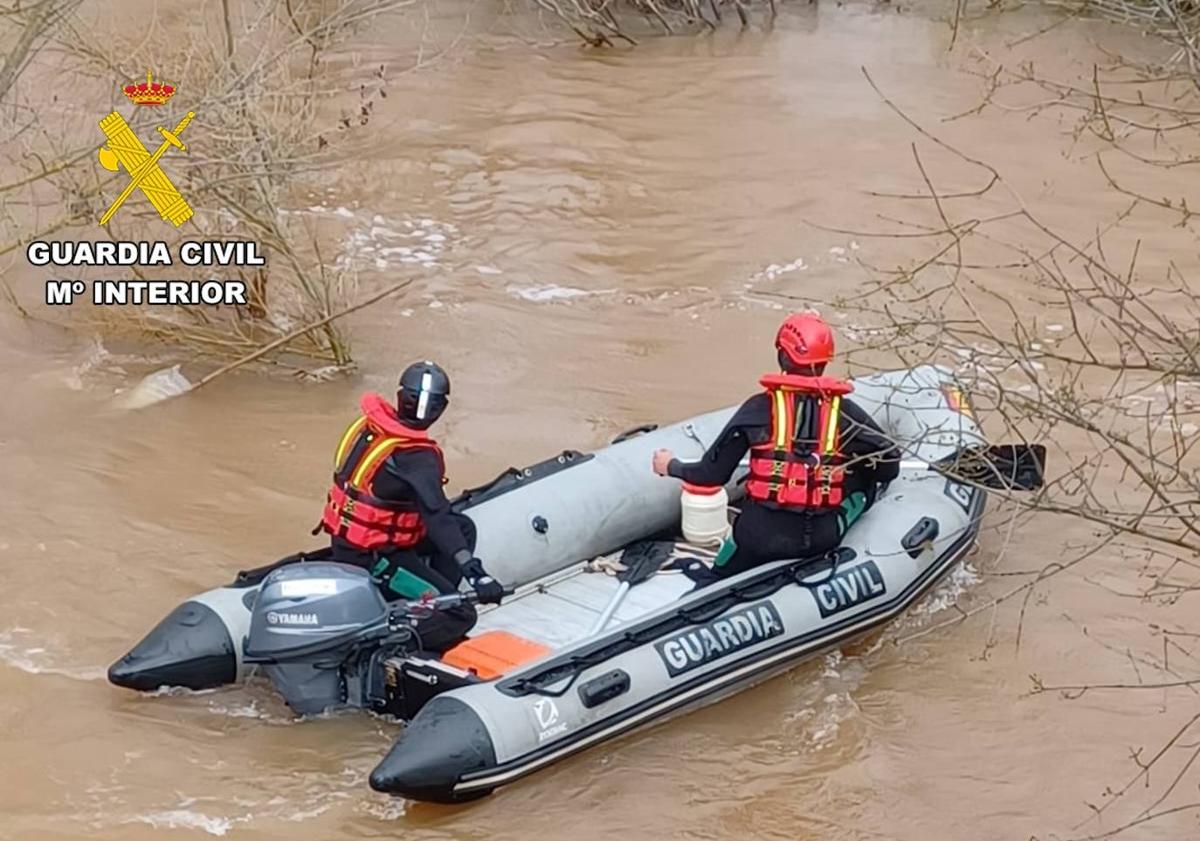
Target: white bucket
{"points": [[705, 521]]}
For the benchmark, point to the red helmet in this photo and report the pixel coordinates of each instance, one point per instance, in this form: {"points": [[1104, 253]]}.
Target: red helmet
{"points": [[805, 339]]}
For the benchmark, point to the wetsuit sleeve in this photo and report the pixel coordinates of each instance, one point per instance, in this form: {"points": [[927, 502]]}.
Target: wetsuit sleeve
{"points": [[867, 446], [750, 425], [416, 475]]}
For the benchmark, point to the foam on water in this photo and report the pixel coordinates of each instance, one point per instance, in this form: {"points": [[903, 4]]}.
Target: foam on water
{"points": [[770, 273], [172, 692], [825, 725], [234, 703], [541, 293], [245, 710], [379, 243], [774, 271], [946, 594], [820, 721], [187, 819], [21, 650], [390, 809], [833, 704], [307, 796], [96, 355]]}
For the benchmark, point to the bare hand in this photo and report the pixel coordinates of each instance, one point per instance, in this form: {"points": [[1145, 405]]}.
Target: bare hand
{"points": [[662, 458]]}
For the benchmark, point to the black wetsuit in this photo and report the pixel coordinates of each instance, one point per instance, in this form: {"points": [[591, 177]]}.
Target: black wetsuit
{"points": [[766, 533], [433, 564]]}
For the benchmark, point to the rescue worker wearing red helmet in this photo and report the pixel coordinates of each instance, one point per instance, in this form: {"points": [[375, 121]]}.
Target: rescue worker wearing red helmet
{"points": [[817, 460], [386, 510]]}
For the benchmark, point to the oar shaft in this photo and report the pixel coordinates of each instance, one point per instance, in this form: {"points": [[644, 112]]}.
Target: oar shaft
{"points": [[610, 609]]}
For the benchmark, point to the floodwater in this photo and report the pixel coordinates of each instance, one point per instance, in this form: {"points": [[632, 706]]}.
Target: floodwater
{"points": [[605, 230]]}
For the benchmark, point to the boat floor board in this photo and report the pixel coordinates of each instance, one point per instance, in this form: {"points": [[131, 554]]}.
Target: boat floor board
{"points": [[564, 610]]}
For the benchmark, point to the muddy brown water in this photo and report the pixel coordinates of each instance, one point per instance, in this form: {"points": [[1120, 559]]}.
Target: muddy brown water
{"points": [[600, 226]]}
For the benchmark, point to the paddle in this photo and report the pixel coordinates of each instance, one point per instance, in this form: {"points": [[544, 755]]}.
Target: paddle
{"points": [[641, 561], [1002, 467]]}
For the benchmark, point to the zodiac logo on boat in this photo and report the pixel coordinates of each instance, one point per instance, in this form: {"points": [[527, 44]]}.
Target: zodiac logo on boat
{"points": [[545, 712], [125, 150]]}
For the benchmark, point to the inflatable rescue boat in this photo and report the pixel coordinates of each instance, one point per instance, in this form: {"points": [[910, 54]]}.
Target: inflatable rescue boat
{"points": [[566, 662]]}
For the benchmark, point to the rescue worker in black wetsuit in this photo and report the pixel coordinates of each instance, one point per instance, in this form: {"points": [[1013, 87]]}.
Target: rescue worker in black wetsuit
{"points": [[817, 460], [386, 510]]}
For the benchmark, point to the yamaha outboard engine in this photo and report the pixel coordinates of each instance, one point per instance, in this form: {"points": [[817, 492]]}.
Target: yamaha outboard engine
{"points": [[320, 630]]}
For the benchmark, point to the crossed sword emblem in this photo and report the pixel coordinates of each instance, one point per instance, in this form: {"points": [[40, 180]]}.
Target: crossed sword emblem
{"points": [[125, 149]]}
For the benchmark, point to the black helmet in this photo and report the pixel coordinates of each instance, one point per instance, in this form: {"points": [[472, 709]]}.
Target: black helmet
{"points": [[423, 395]]}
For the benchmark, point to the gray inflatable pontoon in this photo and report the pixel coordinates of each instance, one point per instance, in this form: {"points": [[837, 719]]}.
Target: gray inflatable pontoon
{"points": [[534, 684]]}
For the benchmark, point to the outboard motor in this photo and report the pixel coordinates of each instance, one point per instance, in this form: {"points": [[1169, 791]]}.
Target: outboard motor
{"points": [[321, 631]]}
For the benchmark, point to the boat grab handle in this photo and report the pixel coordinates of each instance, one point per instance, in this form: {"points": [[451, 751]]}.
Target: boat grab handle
{"points": [[637, 430], [921, 536], [604, 688], [801, 573]]}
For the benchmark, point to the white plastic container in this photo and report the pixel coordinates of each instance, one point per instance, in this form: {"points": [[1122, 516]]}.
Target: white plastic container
{"points": [[705, 517]]}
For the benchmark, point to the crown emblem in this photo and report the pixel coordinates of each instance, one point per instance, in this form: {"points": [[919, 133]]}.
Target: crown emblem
{"points": [[149, 92]]}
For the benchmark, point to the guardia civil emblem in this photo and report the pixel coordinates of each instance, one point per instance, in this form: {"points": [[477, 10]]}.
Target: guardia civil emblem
{"points": [[125, 151]]}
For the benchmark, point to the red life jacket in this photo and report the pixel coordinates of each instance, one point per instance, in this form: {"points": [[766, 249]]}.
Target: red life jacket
{"points": [[802, 466], [352, 512]]}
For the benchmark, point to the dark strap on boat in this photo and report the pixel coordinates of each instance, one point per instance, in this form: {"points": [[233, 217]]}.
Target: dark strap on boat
{"points": [[254, 577], [514, 477]]}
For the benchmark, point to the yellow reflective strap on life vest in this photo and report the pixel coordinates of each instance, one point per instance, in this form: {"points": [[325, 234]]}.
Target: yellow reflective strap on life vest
{"points": [[832, 421], [373, 456], [780, 420], [347, 440]]}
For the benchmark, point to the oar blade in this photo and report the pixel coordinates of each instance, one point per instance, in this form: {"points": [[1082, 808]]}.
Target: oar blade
{"points": [[1004, 467], [644, 558]]}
